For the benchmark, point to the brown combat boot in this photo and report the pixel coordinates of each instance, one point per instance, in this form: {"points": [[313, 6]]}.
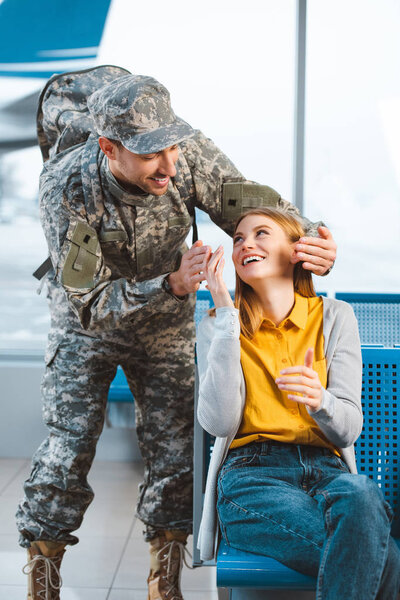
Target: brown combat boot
{"points": [[167, 555], [43, 570]]}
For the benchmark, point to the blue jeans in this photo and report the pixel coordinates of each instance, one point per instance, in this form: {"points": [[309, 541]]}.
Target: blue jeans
{"points": [[301, 505]]}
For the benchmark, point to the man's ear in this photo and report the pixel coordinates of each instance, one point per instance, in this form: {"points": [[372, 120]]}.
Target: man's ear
{"points": [[107, 147]]}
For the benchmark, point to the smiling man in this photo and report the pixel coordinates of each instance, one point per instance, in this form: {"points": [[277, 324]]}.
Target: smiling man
{"points": [[121, 179], [140, 173]]}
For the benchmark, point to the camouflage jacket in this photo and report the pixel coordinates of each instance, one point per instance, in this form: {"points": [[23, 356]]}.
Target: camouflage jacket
{"points": [[112, 250]]}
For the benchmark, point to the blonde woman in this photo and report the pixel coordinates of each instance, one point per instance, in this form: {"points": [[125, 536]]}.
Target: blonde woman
{"points": [[280, 387]]}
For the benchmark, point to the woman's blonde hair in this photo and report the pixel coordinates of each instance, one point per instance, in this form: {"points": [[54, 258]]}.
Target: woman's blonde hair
{"points": [[246, 300]]}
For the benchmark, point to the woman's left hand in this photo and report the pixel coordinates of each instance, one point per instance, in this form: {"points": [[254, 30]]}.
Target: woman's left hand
{"points": [[304, 380], [213, 272]]}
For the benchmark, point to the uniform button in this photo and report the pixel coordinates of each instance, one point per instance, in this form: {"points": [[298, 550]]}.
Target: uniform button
{"points": [[284, 360], [279, 336], [301, 426], [293, 411]]}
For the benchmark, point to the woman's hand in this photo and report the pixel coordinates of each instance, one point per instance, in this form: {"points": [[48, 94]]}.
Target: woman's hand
{"points": [[215, 282], [305, 380]]}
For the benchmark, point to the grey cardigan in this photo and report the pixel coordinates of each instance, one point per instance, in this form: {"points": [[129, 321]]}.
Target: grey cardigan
{"points": [[222, 394]]}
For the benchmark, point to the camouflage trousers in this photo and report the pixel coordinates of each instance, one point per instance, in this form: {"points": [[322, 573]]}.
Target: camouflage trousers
{"points": [[158, 359]]}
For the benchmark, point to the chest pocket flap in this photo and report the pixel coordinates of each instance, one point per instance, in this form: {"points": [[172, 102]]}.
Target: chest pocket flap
{"points": [[83, 258], [182, 221], [115, 235]]}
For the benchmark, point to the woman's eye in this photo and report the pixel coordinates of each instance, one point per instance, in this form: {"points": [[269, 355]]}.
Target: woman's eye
{"points": [[262, 231], [236, 239]]}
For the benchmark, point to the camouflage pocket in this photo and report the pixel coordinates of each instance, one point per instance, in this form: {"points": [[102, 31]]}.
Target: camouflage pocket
{"points": [[116, 254], [49, 385], [83, 258], [238, 197], [51, 351]]}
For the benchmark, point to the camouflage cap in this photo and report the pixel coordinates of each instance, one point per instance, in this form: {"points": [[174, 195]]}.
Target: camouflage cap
{"points": [[136, 110]]}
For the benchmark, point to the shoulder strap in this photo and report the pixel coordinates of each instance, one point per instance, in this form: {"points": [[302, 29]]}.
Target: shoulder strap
{"points": [[183, 180]]}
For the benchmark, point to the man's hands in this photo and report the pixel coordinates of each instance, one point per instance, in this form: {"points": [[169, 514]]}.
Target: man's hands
{"points": [[317, 253], [306, 382], [199, 264], [191, 271]]}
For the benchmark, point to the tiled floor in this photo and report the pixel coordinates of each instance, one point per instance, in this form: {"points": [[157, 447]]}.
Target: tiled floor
{"points": [[111, 560]]}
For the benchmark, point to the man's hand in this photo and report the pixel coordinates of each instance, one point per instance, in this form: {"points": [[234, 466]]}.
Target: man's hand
{"points": [[317, 253], [303, 380], [190, 274]]}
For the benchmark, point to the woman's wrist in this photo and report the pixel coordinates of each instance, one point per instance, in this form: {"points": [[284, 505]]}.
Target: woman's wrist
{"points": [[221, 298]]}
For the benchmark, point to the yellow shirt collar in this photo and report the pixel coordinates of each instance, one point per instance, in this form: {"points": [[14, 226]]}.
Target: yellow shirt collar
{"points": [[298, 315]]}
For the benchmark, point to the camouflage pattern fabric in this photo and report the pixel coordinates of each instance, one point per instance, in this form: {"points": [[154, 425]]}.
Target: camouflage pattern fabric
{"points": [[136, 110], [158, 360]]}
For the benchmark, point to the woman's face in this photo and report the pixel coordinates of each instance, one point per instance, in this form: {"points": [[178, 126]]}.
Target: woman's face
{"points": [[261, 249]]}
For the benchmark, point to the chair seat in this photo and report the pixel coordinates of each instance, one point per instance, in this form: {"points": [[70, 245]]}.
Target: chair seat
{"points": [[236, 568], [246, 570]]}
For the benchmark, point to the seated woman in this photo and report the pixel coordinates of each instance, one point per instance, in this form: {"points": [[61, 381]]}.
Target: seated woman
{"points": [[280, 387]]}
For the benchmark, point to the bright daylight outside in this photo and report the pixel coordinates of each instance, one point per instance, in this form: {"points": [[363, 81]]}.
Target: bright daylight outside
{"points": [[239, 90]]}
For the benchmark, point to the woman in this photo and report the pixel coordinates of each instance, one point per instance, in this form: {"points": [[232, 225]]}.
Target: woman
{"points": [[280, 387]]}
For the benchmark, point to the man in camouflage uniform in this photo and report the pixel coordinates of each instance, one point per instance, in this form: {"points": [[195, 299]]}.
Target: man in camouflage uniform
{"points": [[116, 210]]}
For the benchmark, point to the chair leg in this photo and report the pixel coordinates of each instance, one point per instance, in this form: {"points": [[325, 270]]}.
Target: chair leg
{"points": [[223, 593]]}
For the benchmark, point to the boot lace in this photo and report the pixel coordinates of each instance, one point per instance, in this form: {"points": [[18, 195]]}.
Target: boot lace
{"points": [[174, 565], [44, 578]]}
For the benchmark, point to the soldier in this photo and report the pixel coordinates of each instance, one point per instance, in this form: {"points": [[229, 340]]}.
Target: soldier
{"points": [[116, 207]]}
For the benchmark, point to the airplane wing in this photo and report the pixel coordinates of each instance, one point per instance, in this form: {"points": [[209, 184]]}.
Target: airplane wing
{"points": [[18, 123], [41, 38], [44, 37]]}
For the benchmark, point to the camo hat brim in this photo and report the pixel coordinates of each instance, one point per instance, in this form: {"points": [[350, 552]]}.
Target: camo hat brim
{"points": [[158, 139], [136, 110]]}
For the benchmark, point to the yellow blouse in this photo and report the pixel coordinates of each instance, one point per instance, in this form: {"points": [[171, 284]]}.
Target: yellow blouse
{"points": [[268, 413]]}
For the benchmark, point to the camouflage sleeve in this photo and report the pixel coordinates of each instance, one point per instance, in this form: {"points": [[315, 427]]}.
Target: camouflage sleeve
{"points": [[210, 169], [310, 228], [99, 302]]}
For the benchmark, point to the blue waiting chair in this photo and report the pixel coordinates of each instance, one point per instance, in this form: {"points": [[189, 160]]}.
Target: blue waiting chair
{"points": [[378, 317]]}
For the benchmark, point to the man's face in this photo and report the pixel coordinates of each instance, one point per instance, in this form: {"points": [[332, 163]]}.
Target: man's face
{"points": [[149, 172]]}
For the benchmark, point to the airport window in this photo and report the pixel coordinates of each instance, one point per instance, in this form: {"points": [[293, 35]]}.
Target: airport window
{"points": [[234, 80], [352, 153], [24, 317]]}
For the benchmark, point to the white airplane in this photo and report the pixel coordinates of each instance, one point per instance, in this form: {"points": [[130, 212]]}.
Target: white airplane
{"points": [[53, 37]]}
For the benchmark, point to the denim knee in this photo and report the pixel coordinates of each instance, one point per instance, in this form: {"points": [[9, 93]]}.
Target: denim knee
{"points": [[358, 498]]}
